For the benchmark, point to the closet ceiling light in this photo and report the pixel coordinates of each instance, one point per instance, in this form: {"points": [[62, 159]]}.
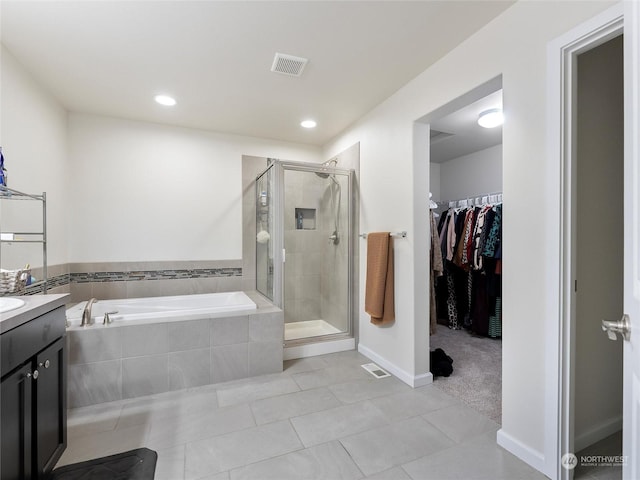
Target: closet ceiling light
{"points": [[491, 118], [165, 100], [308, 124]]}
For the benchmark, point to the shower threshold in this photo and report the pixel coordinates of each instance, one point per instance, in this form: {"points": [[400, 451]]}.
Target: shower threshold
{"points": [[308, 328]]}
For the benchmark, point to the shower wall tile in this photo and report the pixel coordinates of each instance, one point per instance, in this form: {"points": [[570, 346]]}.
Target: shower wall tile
{"points": [[88, 346], [229, 330], [229, 362], [94, 383], [310, 287], [145, 375], [189, 335], [190, 368], [142, 340], [308, 310]]}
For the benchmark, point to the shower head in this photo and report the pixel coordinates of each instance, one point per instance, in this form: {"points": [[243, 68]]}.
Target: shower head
{"points": [[322, 174]]}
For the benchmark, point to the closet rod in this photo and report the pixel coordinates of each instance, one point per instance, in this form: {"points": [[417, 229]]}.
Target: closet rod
{"points": [[392, 234], [474, 200]]}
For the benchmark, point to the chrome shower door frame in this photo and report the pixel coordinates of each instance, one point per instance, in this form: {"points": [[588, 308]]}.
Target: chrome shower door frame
{"points": [[279, 247]]}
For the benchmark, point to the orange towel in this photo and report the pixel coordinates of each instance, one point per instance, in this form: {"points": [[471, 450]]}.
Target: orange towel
{"points": [[379, 296]]}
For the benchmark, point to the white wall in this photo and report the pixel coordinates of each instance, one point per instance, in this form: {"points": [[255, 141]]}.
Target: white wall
{"points": [[471, 175], [514, 45], [434, 181], [147, 192], [34, 142]]}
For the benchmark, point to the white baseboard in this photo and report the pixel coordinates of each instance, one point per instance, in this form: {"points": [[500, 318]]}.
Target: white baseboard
{"points": [[320, 348], [527, 454], [411, 380], [597, 433]]}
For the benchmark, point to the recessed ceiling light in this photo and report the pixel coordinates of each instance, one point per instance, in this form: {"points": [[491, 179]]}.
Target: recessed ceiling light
{"points": [[165, 100], [308, 124], [491, 118]]}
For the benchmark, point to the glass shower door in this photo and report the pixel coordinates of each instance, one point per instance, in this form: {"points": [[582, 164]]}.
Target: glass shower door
{"points": [[265, 231], [317, 247]]}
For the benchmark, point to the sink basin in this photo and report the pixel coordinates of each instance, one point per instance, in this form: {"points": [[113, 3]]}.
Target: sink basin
{"points": [[7, 304]]}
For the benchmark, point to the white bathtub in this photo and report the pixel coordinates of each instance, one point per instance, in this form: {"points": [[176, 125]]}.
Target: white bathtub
{"points": [[162, 309]]}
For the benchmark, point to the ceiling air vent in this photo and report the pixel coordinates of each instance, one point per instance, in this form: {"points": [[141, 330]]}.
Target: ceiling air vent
{"points": [[288, 64]]}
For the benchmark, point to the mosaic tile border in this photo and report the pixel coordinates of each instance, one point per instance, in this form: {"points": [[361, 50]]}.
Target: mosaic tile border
{"points": [[52, 282], [133, 276], [137, 275]]}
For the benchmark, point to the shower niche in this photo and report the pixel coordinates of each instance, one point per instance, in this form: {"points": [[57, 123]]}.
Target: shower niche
{"points": [[305, 218], [304, 248]]}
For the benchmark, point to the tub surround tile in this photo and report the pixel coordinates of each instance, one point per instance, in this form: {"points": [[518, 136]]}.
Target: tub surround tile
{"points": [[188, 335], [265, 357], [153, 358], [145, 375], [229, 362], [229, 330], [94, 383], [191, 368], [141, 340], [266, 327], [89, 346]]}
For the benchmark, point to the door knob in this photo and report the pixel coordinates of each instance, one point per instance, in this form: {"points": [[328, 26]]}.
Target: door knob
{"points": [[622, 326]]}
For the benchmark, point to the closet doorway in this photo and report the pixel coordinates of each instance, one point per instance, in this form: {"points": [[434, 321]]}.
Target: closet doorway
{"points": [[466, 203]]}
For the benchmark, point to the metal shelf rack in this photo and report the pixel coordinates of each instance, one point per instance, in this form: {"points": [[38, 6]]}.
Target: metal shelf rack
{"points": [[9, 194]]}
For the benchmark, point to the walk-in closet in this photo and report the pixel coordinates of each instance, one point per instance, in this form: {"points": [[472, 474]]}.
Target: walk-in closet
{"points": [[465, 208]]}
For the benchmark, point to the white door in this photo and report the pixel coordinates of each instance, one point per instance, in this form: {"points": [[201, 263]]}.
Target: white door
{"points": [[631, 404]]}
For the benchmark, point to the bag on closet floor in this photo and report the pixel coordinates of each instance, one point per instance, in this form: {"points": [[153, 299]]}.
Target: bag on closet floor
{"points": [[441, 363]]}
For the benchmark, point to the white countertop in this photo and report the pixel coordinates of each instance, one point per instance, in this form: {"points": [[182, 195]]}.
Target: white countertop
{"points": [[35, 305]]}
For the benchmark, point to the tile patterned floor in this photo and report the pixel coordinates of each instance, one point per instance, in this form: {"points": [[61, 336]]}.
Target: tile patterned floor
{"points": [[322, 418]]}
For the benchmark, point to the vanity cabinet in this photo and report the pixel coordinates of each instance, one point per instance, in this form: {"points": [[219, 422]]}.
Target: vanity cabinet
{"points": [[33, 397]]}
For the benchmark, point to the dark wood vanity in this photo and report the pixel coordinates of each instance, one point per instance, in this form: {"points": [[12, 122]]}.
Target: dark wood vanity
{"points": [[33, 418]]}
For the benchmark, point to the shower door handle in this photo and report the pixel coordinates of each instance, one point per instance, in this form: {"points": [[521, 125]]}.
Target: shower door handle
{"points": [[622, 326], [284, 255]]}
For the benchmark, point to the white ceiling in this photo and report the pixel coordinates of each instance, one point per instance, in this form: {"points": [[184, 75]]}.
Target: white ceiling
{"points": [[111, 57], [466, 136]]}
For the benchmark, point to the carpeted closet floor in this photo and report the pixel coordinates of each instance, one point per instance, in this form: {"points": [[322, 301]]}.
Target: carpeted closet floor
{"points": [[477, 370]]}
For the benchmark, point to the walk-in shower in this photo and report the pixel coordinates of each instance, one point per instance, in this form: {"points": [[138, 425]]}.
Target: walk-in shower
{"points": [[304, 247]]}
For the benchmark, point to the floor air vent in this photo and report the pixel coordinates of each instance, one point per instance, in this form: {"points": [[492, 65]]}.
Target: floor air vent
{"points": [[288, 64], [375, 370]]}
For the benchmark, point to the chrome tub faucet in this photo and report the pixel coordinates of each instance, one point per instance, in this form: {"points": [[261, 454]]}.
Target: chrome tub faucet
{"points": [[86, 313]]}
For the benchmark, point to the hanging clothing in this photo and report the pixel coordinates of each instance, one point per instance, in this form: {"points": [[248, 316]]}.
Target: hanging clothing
{"points": [[437, 270], [469, 292]]}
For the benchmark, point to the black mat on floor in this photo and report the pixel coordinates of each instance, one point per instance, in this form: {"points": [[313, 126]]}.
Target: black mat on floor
{"points": [[139, 464]]}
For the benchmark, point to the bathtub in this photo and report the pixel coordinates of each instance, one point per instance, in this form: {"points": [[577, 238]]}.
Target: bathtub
{"points": [[160, 344], [156, 309]]}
